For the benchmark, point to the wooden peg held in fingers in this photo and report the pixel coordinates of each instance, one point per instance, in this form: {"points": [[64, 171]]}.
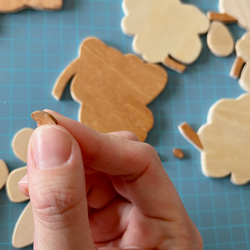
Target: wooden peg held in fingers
{"points": [[43, 117]]}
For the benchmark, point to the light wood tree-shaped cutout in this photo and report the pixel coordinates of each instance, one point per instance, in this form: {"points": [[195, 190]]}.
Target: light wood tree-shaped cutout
{"points": [[11, 6], [113, 89], [165, 31], [224, 141], [233, 11], [241, 66], [23, 234]]}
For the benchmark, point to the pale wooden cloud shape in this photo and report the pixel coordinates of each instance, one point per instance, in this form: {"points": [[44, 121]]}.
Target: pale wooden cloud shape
{"points": [[164, 28], [10, 6], [226, 140], [238, 9], [243, 51]]}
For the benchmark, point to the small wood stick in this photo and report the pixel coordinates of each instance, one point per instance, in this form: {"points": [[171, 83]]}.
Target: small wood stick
{"points": [[221, 17], [178, 153], [172, 64], [43, 117], [189, 134], [237, 67]]}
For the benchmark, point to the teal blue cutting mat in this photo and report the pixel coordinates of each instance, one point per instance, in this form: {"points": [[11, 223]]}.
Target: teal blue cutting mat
{"points": [[36, 46]]}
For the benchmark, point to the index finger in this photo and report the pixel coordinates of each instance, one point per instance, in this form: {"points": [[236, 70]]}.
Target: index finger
{"points": [[135, 166]]}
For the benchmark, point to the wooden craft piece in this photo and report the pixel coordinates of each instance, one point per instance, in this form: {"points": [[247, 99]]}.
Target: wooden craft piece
{"points": [[43, 117], [23, 234], [20, 143], [172, 64], [113, 89], [12, 185], [238, 9], [226, 140], [237, 67], [11, 6], [4, 172], [241, 66], [164, 28], [178, 153], [221, 17], [219, 40], [189, 134]]}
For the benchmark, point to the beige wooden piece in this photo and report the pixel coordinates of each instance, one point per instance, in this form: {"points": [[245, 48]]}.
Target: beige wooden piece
{"points": [[20, 143], [164, 28], [219, 40], [189, 134], [43, 117], [113, 89], [4, 172], [226, 140], [239, 9], [12, 185], [243, 52], [23, 234], [10, 6]]}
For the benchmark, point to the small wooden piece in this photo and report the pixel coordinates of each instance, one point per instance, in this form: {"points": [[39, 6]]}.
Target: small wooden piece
{"points": [[219, 40], [43, 117], [20, 143], [172, 64], [238, 9], [11, 6], [190, 135], [221, 17], [241, 67], [23, 234], [178, 153], [12, 185], [163, 29], [113, 89], [4, 172], [237, 67], [226, 140]]}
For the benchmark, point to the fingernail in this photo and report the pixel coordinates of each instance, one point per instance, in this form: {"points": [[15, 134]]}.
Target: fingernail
{"points": [[24, 180], [51, 147]]}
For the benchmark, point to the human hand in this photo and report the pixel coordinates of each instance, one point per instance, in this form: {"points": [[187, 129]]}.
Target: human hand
{"points": [[106, 191]]}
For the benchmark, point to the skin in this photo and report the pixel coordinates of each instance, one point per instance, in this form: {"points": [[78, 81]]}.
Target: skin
{"points": [[102, 191]]}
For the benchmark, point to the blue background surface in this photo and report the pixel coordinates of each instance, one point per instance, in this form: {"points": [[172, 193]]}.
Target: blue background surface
{"points": [[36, 46]]}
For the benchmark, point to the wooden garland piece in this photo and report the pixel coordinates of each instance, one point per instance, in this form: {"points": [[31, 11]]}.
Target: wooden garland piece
{"points": [[12, 6], [190, 135], [4, 172], [12, 185], [25, 224], [43, 117]]}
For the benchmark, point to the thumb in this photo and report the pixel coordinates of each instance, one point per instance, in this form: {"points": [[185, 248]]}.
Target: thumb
{"points": [[57, 190]]}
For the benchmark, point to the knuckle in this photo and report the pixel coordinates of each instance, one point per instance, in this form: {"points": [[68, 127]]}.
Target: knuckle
{"points": [[54, 204]]}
